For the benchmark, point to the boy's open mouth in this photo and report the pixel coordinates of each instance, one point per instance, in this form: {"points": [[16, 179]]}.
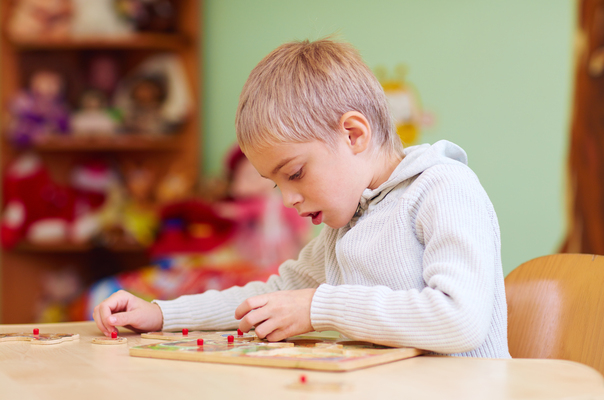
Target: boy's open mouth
{"points": [[317, 217]]}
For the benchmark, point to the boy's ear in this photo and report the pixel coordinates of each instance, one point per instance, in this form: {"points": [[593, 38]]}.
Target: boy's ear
{"points": [[357, 130]]}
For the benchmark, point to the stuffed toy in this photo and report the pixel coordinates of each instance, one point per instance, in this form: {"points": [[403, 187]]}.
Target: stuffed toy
{"points": [[405, 105], [47, 19], [190, 226], [35, 207], [148, 15], [155, 98], [94, 118], [38, 112], [91, 183], [98, 18], [267, 233], [141, 217]]}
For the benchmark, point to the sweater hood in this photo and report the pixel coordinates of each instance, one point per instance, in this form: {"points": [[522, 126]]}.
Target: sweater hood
{"points": [[417, 159]]}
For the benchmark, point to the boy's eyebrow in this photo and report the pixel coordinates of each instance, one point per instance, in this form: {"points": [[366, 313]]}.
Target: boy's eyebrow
{"points": [[281, 164]]}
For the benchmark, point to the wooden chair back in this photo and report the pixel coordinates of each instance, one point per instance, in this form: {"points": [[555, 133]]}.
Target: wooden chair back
{"points": [[556, 309]]}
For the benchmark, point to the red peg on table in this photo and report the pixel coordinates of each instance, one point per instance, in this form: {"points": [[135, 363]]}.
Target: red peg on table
{"points": [[230, 338], [185, 331], [302, 379], [200, 342], [239, 332], [36, 331], [113, 335]]}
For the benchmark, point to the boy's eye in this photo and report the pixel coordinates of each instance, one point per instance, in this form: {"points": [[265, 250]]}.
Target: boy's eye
{"points": [[297, 175], [275, 187]]}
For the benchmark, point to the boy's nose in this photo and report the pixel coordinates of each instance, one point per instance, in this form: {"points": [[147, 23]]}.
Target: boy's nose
{"points": [[290, 198]]}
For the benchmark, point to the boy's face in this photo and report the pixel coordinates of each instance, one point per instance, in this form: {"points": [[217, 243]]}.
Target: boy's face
{"points": [[322, 183]]}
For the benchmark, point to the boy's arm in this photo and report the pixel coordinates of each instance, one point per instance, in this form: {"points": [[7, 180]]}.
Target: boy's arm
{"points": [[215, 310], [454, 312]]}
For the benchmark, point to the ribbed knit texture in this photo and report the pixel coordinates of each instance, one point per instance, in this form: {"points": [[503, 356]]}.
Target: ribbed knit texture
{"points": [[419, 266]]}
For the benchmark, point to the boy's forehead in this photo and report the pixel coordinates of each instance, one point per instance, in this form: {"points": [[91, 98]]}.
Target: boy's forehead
{"points": [[269, 160]]}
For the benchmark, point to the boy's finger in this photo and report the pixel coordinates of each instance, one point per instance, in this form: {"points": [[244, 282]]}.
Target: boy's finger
{"points": [[252, 319], [105, 316], [265, 329], [250, 304], [277, 335], [123, 319], [99, 322]]}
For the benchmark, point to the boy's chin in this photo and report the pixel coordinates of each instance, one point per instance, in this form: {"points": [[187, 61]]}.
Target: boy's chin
{"points": [[335, 225]]}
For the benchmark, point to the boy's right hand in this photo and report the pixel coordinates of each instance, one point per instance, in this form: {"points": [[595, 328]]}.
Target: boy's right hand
{"points": [[125, 309]]}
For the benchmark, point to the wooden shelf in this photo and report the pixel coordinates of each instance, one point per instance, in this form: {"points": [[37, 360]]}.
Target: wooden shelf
{"points": [[152, 41], [66, 247], [59, 143], [24, 267]]}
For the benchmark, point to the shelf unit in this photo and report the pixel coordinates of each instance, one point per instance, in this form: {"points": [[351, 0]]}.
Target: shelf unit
{"points": [[23, 268]]}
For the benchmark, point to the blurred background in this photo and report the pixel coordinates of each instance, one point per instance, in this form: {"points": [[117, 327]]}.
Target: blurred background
{"points": [[119, 162]]}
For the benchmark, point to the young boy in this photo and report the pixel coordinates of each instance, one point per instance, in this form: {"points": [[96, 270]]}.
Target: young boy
{"points": [[410, 255]]}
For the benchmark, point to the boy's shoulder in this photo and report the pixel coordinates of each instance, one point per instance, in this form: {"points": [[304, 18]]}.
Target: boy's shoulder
{"points": [[445, 177]]}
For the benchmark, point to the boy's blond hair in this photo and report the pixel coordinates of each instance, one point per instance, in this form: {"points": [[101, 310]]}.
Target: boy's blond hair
{"points": [[299, 92]]}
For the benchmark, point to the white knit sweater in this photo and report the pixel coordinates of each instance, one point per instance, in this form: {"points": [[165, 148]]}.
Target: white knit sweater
{"points": [[419, 265]]}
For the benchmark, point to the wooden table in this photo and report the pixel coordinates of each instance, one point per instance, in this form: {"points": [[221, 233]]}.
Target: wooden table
{"points": [[83, 371]]}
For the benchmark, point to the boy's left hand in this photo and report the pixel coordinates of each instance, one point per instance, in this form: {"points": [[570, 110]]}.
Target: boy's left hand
{"points": [[277, 315]]}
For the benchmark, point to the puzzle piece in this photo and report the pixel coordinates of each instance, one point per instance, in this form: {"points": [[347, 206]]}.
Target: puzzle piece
{"points": [[42, 338], [106, 340], [305, 351]]}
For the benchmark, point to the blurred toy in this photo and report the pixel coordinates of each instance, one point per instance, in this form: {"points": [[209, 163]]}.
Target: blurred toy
{"points": [[111, 216], [59, 289], [46, 19], [409, 117], [190, 226], [98, 18], [91, 182], [144, 113], [155, 98], [148, 15], [176, 185], [103, 73], [94, 117], [267, 232], [35, 207], [40, 111], [141, 218]]}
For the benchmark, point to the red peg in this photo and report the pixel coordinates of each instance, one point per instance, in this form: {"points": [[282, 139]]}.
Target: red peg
{"points": [[36, 331], [113, 335], [230, 339], [239, 332], [302, 379], [200, 342], [185, 331]]}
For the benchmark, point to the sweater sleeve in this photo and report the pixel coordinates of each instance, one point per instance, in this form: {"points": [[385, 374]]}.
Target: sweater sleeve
{"points": [[215, 310], [453, 220]]}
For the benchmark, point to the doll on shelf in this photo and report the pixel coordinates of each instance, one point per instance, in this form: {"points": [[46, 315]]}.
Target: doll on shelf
{"points": [[148, 15], [141, 217], [41, 19], [38, 111], [143, 115], [155, 98], [267, 233], [94, 118]]}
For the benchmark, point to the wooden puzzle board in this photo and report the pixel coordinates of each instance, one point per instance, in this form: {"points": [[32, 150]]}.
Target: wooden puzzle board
{"points": [[303, 352]]}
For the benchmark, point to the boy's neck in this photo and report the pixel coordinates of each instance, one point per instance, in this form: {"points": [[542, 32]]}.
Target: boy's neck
{"points": [[385, 164]]}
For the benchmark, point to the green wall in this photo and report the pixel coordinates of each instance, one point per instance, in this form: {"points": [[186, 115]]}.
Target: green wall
{"points": [[497, 75]]}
